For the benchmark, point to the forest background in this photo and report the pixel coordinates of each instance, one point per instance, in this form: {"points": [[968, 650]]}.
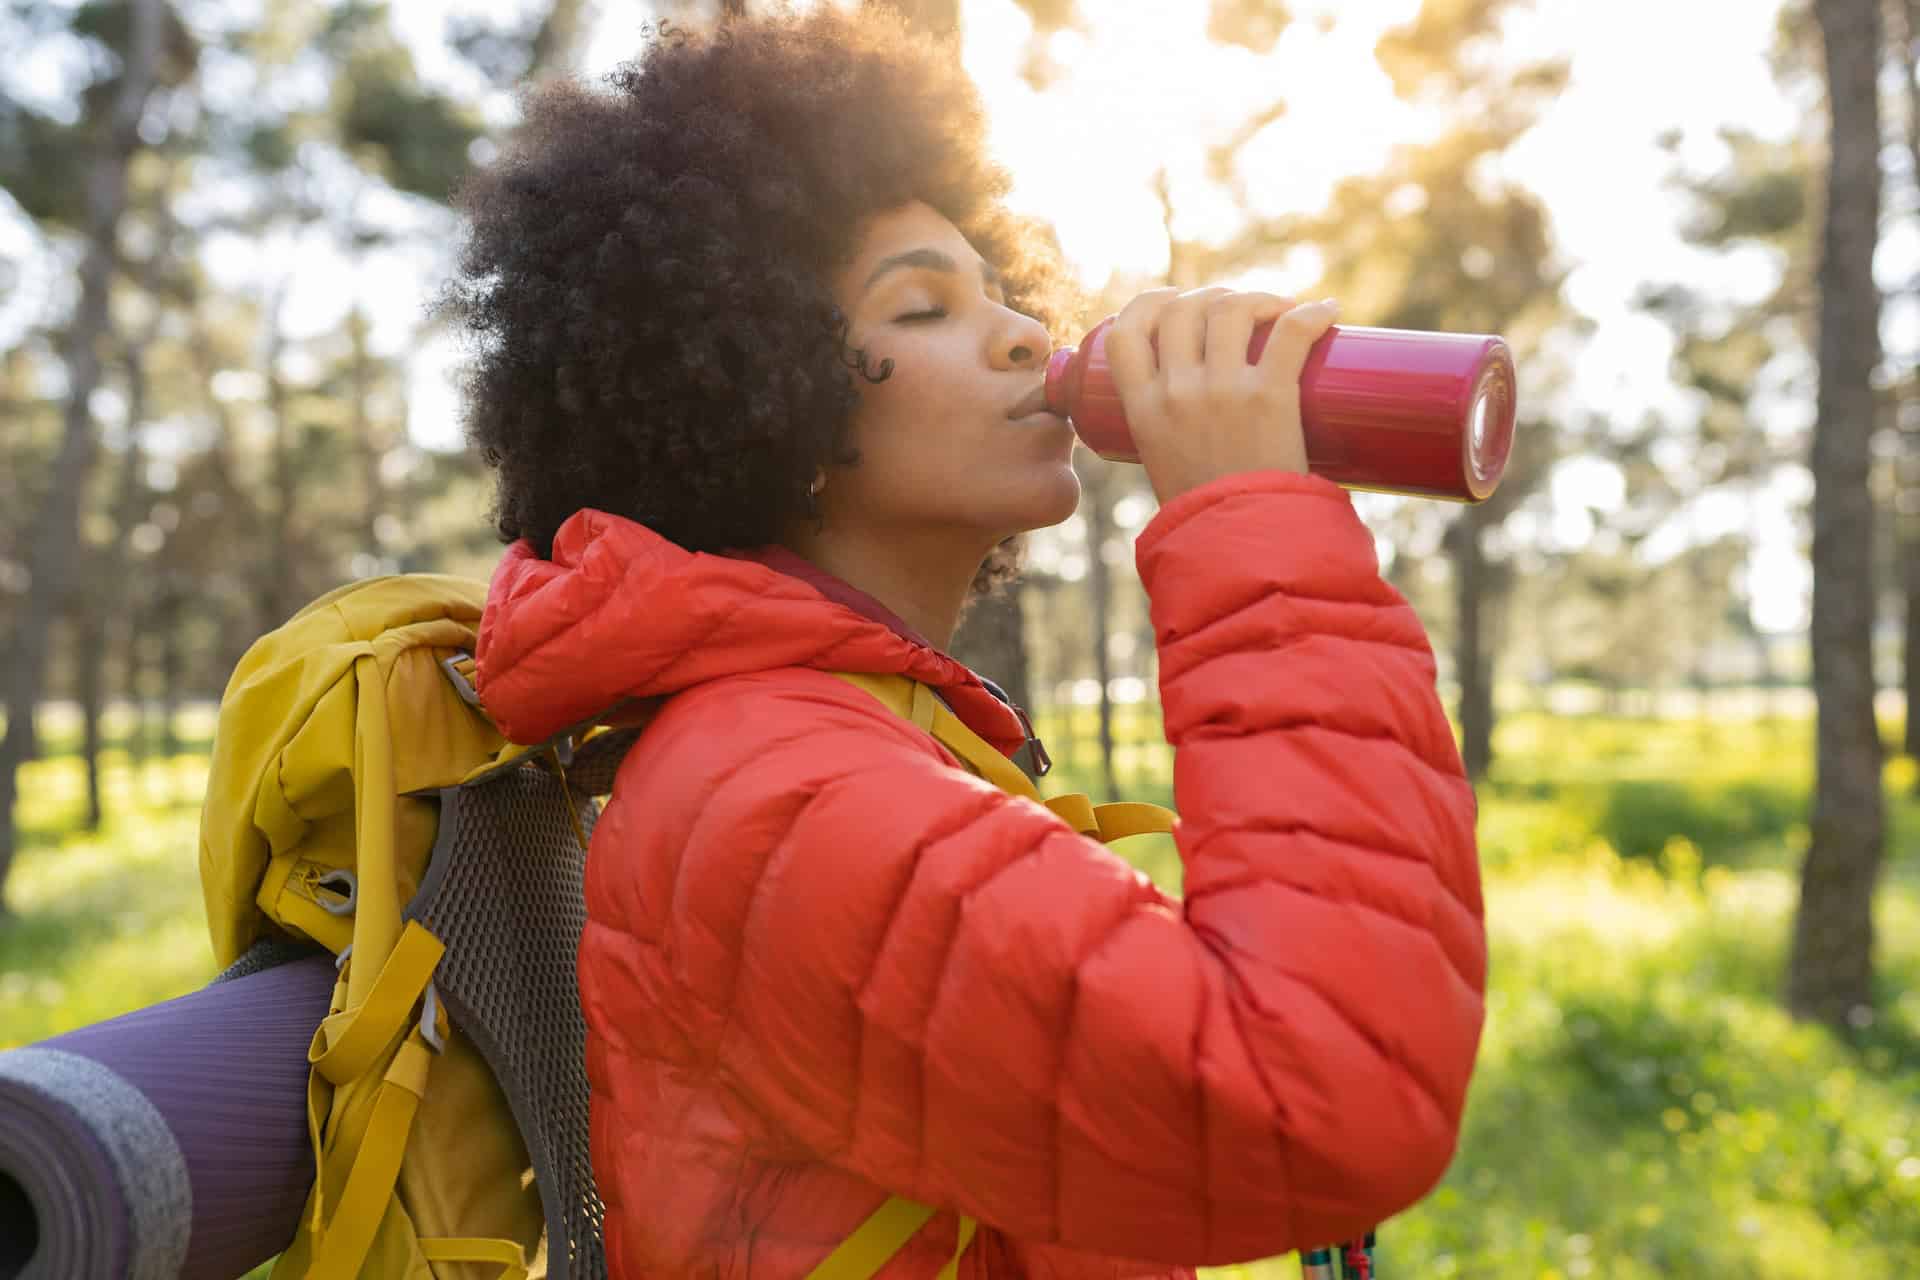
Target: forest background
{"points": [[1682, 642]]}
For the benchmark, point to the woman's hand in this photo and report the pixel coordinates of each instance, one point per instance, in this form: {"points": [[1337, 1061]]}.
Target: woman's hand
{"points": [[1198, 410]]}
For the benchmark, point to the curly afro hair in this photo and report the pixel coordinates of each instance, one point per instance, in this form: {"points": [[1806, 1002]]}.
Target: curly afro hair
{"points": [[646, 271]]}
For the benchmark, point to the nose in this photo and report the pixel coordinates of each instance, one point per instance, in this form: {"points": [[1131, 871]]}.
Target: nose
{"points": [[1021, 342]]}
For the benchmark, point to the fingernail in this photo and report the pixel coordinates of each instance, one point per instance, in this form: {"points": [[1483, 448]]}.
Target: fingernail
{"points": [[1331, 304]]}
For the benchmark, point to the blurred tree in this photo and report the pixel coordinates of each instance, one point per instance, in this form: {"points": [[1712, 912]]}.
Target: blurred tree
{"points": [[1758, 204], [326, 169], [48, 154], [1903, 46], [1099, 486], [1479, 259], [313, 130], [1438, 240], [542, 42], [110, 130], [1830, 973], [99, 608]]}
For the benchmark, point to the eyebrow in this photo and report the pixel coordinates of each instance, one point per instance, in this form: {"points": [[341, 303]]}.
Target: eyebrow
{"points": [[931, 260]]}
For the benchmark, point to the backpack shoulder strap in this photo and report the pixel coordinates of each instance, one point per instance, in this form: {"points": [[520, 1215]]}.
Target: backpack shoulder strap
{"points": [[914, 701]]}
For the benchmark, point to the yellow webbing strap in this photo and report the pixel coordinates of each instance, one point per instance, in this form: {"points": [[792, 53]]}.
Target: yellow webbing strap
{"points": [[346, 1046], [979, 756], [512, 1259], [881, 1236], [342, 1246], [952, 1270], [1102, 821], [317, 1102], [1109, 822], [354, 1038], [376, 910]]}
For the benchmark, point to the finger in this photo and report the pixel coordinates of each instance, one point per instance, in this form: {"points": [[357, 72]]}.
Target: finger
{"points": [[1293, 337], [1230, 327], [1129, 345], [1183, 329]]}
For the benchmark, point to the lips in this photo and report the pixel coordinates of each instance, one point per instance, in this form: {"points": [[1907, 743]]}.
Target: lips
{"points": [[1033, 402]]}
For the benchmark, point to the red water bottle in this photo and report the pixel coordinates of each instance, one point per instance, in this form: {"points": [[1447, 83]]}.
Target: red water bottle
{"points": [[1402, 411]]}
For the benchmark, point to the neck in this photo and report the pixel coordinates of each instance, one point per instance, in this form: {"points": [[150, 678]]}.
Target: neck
{"points": [[926, 584]]}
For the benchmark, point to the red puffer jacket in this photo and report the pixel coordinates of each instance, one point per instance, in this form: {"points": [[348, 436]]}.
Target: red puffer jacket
{"points": [[823, 964]]}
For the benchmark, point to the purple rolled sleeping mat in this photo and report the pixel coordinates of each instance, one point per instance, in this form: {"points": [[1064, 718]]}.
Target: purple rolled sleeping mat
{"points": [[170, 1141]]}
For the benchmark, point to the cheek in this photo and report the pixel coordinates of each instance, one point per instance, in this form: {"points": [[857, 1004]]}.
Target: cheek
{"points": [[923, 392]]}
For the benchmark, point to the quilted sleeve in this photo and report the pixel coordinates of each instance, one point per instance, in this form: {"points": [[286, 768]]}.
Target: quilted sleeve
{"points": [[949, 992]]}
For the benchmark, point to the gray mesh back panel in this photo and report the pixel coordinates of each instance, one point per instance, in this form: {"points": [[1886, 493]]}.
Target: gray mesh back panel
{"points": [[504, 893]]}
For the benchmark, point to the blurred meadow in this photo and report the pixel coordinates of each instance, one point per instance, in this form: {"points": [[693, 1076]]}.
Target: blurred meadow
{"points": [[1643, 1107], [1681, 643]]}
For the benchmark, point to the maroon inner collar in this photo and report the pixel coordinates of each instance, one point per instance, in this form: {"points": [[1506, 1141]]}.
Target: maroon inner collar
{"points": [[835, 589]]}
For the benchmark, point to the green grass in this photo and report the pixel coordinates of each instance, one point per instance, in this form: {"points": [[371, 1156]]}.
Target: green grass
{"points": [[108, 921], [1642, 1106]]}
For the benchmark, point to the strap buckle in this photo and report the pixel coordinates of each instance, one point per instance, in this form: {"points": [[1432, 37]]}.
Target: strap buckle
{"points": [[1036, 749], [458, 678]]}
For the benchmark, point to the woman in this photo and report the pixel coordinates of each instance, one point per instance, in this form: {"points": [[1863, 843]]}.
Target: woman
{"points": [[757, 342]]}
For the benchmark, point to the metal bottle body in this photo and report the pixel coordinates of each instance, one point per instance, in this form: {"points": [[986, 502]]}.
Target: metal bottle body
{"points": [[1393, 410]]}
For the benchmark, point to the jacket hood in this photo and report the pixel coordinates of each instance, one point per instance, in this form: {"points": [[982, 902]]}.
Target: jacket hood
{"points": [[619, 612]]}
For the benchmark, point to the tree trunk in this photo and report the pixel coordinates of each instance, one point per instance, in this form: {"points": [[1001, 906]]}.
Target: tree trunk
{"points": [[369, 436], [90, 651], [105, 612], [56, 533], [1910, 560], [134, 673], [1471, 658], [1906, 499], [277, 597], [1911, 563], [992, 642], [172, 669], [1099, 488], [1830, 972]]}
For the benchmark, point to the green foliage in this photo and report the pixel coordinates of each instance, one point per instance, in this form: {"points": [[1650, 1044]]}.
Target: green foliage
{"points": [[270, 147], [1642, 1108], [1641, 817], [1441, 56], [110, 22], [44, 157], [421, 138], [42, 161], [110, 921]]}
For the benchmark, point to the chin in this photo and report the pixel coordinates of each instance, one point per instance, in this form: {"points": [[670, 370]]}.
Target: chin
{"points": [[1055, 500]]}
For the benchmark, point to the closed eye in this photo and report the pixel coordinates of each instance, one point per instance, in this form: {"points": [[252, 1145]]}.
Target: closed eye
{"points": [[931, 313]]}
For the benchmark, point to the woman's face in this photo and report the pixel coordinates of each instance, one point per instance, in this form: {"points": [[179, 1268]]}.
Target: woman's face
{"points": [[938, 453]]}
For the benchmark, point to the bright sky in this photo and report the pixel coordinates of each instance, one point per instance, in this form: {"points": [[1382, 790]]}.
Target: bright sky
{"points": [[1141, 87]]}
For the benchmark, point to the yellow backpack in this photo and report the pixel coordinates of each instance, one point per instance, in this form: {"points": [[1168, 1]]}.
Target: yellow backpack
{"points": [[359, 799]]}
